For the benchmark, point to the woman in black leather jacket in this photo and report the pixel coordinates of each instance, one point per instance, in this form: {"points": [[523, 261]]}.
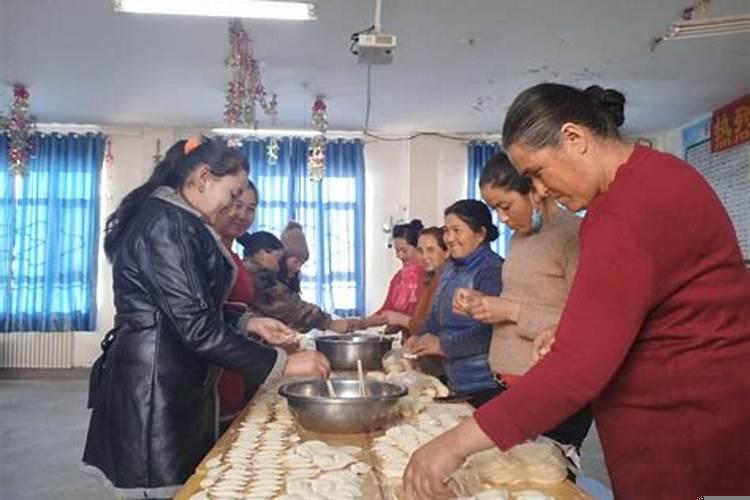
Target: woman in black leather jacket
{"points": [[151, 391]]}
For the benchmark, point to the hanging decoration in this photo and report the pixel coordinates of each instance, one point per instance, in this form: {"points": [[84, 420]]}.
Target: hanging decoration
{"points": [[319, 119], [245, 91], [272, 148], [20, 126], [109, 158], [316, 158], [272, 151]]}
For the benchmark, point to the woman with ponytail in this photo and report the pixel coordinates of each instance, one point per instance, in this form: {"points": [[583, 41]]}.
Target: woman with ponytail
{"points": [[152, 389], [655, 333]]}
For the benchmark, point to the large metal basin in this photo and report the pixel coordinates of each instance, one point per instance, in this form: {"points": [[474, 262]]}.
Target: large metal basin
{"points": [[349, 412], [343, 351]]}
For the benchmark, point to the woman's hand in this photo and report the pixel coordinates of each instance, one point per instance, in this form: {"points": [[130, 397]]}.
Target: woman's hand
{"points": [[340, 326], [394, 318], [272, 331], [356, 324], [428, 470], [409, 343], [491, 310], [543, 344], [378, 319], [430, 467], [427, 345], [463, 300], [307, 363]]}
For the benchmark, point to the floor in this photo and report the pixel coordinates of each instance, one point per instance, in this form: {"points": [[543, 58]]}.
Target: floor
{"points": [[43, 427]]}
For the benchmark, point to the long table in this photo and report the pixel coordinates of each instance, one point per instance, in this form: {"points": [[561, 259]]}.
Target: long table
{"points": [[376, 486]]}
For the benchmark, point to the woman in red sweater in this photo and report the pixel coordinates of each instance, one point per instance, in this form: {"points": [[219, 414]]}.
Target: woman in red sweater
{"points": [[406, 285], [656, 329], [232, 222]]}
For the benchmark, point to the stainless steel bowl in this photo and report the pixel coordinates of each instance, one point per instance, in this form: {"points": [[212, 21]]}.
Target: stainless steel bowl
{"points": [[349, 412], [343, 351]]}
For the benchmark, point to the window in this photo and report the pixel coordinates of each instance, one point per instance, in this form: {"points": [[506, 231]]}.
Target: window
{"points": [[49, 229], [479, 154], [331, 213]]}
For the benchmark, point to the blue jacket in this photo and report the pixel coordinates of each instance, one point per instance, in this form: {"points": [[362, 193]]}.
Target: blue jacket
{"points": [[465, 341]]}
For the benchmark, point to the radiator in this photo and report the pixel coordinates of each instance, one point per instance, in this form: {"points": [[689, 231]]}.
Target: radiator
{"points": [[36, 350]]}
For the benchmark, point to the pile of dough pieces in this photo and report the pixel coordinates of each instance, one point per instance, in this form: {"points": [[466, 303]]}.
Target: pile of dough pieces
{"points": [[422, 388], [267, 460], [420, 385], [503, 494], [396, 446], [538, 462]]}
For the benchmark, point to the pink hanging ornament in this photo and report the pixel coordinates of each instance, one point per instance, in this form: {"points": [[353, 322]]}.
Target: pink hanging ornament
{"points": [[20, 127], [245, 91], [319, 118]]}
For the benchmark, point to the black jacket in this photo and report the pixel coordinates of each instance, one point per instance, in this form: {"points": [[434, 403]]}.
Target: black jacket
{"points": [[151, 391]]}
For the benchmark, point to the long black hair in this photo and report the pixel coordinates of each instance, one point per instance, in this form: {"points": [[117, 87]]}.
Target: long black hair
{"points": [[536, 115], [294, 283], [499, 172], [409, 231], [476, 215], [172, 171]]}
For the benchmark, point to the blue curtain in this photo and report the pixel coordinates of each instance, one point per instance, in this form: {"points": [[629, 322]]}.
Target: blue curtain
{"points": [[331, 213], [479, 153], [49, 236]]}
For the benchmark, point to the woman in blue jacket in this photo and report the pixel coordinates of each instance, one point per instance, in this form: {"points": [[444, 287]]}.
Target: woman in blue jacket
{"points": [[462, 341]]}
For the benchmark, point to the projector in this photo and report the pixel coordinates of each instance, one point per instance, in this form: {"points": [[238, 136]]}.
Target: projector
{"points": [[375, 48]]}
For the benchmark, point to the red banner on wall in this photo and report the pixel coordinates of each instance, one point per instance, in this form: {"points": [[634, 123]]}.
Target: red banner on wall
{"points": [[730, 125]]}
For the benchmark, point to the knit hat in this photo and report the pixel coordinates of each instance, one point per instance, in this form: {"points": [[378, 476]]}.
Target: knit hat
{"points": [[295, 244]]}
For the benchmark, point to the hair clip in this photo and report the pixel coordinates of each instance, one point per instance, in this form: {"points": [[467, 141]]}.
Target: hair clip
{"points": [[191, 144]]}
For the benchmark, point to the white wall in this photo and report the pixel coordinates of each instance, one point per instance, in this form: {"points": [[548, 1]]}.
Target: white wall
{"points": [[416, 178], [408, 180]]}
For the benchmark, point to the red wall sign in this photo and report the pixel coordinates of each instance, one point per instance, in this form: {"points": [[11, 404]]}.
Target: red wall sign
{"points": [[730, 125]]}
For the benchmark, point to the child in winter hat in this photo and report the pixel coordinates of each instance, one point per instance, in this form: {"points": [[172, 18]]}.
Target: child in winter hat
{"points": [[295, 244]]}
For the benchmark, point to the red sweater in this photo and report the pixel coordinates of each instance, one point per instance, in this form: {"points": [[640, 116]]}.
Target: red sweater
{"points": [[656, 332], [403, 291], [231, 384]]}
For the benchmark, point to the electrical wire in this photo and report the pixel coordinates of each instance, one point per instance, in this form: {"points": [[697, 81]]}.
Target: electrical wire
{"points": [[419, 134]]}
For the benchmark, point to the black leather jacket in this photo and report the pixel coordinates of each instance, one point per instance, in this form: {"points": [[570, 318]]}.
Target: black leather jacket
{"points": [[151, 391]]}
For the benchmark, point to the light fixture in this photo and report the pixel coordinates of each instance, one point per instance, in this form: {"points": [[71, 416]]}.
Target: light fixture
{"points": [[266, 132], [267, 9], [704, 27]]}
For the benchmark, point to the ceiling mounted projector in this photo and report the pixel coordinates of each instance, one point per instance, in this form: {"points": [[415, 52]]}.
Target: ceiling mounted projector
{"points": [[375, 48], [371, 45]]}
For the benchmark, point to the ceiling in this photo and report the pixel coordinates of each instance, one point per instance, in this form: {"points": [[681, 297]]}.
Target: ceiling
{"points": [[457, 67]]}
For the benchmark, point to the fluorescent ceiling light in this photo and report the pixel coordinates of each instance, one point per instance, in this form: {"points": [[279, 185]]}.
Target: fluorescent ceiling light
{"points": [[267, 9], [266, 132], [714, 26]]}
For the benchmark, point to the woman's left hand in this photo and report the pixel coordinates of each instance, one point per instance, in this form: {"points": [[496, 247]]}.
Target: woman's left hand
{"points": [[492, 310], [396, 318], [427, 345], [272, 331], [428, 470]]}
